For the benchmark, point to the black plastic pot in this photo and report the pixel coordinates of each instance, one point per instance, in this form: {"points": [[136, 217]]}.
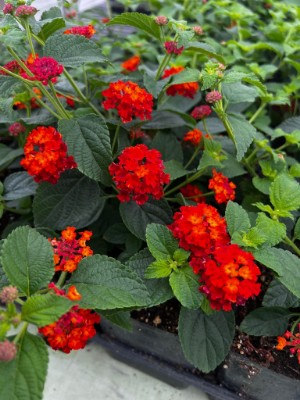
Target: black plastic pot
{"points": [[159, 354]]}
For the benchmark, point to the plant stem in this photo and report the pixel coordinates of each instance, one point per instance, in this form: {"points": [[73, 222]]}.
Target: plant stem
{"points": [[194, 155], [57, 102], [294, 325], [28, 33], [290, 243], [15, 75], [115, 139], [258, 111], [108, 8], [19, 61], [42, 104], [205, 127], [188, 180], [21, 332], [62, 279], [162, 66]]}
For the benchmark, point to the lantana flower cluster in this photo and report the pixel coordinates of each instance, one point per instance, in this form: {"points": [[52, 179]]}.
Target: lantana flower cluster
{"points": [[227, 273], [291, 340], [188, 89], [131, 64], [44, 69], [69, 249], [46, 155], [138, 174], [87, 31]]}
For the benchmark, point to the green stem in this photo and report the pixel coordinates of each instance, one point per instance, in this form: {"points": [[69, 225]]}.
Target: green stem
{"points": [[258, 111], [295, 325], [188, 180], [290, 243], [42, 104], [108, 8], [205, 127], [39, 40], [249, 158], [28, 33], [19, 61], [15, 76], [57, 102], [162, 66], [115, 139], [194, 155], [21, 332], [62, 279]]}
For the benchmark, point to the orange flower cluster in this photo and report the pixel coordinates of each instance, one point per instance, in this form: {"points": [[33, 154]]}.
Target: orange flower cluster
{"points": [[194, 137], [228, 274], [223, 188], [46, 155], [192, 192], [131, 64], [70, 250], [139, 174], [292, 340], [72, 330], [129, 100], [230, 277], [188, 89], [86, 31]]}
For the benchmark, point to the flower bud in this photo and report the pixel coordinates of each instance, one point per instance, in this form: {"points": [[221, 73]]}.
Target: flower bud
{"points": [[8, 294], [201, 112], [8, 351], [25, 11], [161, 20], [8, 9], [198, 30], [213, 97], [16, 128]]}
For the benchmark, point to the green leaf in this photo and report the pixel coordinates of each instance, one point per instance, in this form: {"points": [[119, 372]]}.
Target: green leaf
{"points": [[252, 238], [51, 13], [168, 145], [116, 233], [105, 283], [284, 263], [51, 26], [18, 185], [206, 339], [159, 289], [243, 133], [162, 119], [290, 125], [72, 50], [44, 309], [236, 218], [119, 318], [266, 321], [160, 241], [137, 20], [231, 167], [186, 76], [27, 259], [136, 218], [8, 155], [24, 377], [88, 142], [238, 92], [75, 200], [272, 231], [206, 49], [185, 286], [285, 194], [154, 87], [9, 86], [3, 278], [277, 295], [297, 230], [175, 169], [262, 184], [158, 269]]}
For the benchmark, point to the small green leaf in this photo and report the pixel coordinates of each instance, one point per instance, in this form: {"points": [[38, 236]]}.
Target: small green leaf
{"points": [[206, 49], [253, 238], [44, 309], [160, 241], [75, 200], [284, 263], [175, 169], [50, 26], [136, 218], [72, 50], [297, 230], [119, 318], [206, 339], [277, 295], [181, 256], [285, 194], [272, 231], [88, 142], [185, 286], [19, 185], [266, 321], [137, 20], [24, 377], [27, 259], [236, 218], [105, 283], [158, 269], [186, 76], [243, 133]]}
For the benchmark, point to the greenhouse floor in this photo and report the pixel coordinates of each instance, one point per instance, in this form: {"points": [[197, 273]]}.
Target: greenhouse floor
{"points": [[93, 374]]}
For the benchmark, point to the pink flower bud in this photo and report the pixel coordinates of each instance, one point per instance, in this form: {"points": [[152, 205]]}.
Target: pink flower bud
{"points": [[25, 11], [201, 112], [198, 30], [8, 351], [8, 294], [8, 9], [16, 128], [161, 20], [172, 48], [213, 96]]}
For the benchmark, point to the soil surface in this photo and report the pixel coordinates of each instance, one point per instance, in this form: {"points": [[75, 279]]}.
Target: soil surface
{"points": [[258, 349]]}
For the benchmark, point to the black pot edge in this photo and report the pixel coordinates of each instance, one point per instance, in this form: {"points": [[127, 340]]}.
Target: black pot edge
{"points": [[162, 370]]}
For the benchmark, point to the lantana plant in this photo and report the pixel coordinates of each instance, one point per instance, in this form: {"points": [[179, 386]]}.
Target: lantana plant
{"points": [[173, 153]]}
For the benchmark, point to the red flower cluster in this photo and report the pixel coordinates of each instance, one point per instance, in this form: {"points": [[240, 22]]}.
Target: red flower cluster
{"points": [[11, 66], [129, 100], [194, 137], [70, 250], [139, 174], [187, 89], [192, 192], [291, 340], [229, 277], [172, 48], [201, 112], [46, 155], [86, 31], [131, 64], [44, 69], [228, 274], [72, 330], [223, 188], [136, 133]]}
